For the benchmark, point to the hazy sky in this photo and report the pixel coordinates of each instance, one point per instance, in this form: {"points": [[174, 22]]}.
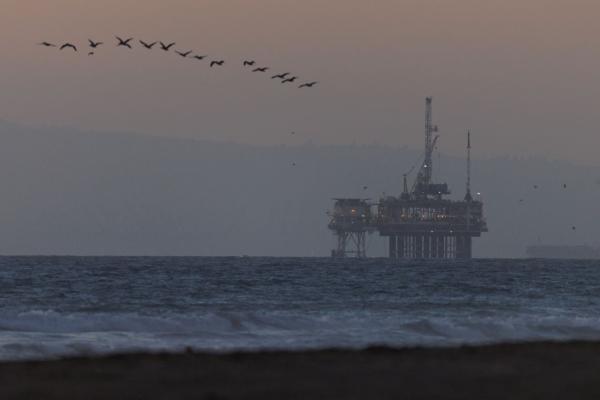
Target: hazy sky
{"points": [[523, 75]]}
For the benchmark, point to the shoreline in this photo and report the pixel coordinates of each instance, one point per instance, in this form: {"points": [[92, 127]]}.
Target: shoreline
{"points": [[548, 370]]}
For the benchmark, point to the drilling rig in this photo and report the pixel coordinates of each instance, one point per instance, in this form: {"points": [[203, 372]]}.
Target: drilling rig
{"points": [[420, 223]]}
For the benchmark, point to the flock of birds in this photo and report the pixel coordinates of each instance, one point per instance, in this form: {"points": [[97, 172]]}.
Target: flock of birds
{"points": [[285, 77]]}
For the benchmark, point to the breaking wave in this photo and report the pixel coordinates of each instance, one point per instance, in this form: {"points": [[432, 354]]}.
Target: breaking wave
{"points": [[51, 334]]}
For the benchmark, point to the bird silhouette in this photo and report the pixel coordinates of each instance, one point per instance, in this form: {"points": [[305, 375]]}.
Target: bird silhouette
{"points": [[93, 44], [574, 228], [365, 187], [91, 53], [166, 47], [280, 76], [309, 85], [219, 63], [182, 54], [124, 43], [149, 46], [262, 69], [47, 44], [249, 63], [564, 185], [292, 79], [68, 45], [197, 57], [535, 186]]}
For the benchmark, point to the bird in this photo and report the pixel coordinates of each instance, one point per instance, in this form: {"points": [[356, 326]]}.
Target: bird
{"points": [[182, 54], [294, 164], [280, 76], [91, 53], [197, 57], [535, 186], [47, 44], [68, 45], [124, 43], [309, 85], [564, 185], [365, 187], [166, 47], [219, 63], [149, 46], [293, 133], [263, 69], [93, 44], [292, 79], [249, 62], [520, 200], [574, 228]]}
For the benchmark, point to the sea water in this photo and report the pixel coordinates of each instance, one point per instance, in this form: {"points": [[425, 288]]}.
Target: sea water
{"points": [[64, 306]]}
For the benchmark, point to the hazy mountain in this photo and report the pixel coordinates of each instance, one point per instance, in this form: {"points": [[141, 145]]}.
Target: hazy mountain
{"points": [[71, 192]]}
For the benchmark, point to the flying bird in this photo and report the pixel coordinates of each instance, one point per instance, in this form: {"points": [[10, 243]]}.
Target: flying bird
{"points": [[574, 228], [166, 47], [219, 63], [263, 69], [149, 46], [535, 186], [365, 187], [249, 63], [91, 53], [124, 43], [68, 45], [197, 57], [309, 85], [564, 185], [47, 44], [280, 76], [93, 44], [292, 79], [182, 54]]}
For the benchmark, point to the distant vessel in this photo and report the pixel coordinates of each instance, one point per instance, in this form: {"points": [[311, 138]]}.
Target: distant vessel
{"points": [[563, 251]]}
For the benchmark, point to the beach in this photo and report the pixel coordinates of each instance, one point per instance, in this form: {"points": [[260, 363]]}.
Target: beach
{"points": [[541, 370]]}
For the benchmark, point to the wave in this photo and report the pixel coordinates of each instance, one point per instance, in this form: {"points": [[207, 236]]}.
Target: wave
{"points": [[51, 334]]}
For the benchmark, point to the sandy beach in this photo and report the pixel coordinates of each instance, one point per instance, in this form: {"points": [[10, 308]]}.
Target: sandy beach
{"points": [[512, 371]]}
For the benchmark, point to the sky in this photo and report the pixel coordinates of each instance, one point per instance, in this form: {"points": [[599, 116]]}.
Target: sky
{"points": [[523, 75]]}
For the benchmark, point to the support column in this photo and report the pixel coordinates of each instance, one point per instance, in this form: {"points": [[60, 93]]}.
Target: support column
{"points": [[463, 250], [451, 247], [427, 245], [393, 250], [418, 246], [440, 247], [400, 246], [468, 247]]}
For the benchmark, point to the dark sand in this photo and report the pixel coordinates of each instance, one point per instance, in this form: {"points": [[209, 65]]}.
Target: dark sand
{"points": [[517, 371]]}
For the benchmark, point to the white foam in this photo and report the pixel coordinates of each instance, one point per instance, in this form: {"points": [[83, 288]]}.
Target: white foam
{"points": [[43, 334]]}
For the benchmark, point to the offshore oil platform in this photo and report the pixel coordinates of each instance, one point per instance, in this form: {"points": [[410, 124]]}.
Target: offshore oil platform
{"points": [[420, 223]]}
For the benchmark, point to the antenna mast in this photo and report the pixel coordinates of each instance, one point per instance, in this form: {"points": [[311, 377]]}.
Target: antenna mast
{"points": [[428, 165], [468, 196]]}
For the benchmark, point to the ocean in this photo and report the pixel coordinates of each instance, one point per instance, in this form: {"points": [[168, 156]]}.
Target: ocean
{"points": [[66, 306]]}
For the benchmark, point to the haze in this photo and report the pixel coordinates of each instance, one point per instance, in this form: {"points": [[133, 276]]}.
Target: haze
{"points": [[523, 75]]}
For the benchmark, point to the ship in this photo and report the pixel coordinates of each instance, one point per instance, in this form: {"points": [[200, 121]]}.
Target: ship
{"points": [[581, 252]]}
